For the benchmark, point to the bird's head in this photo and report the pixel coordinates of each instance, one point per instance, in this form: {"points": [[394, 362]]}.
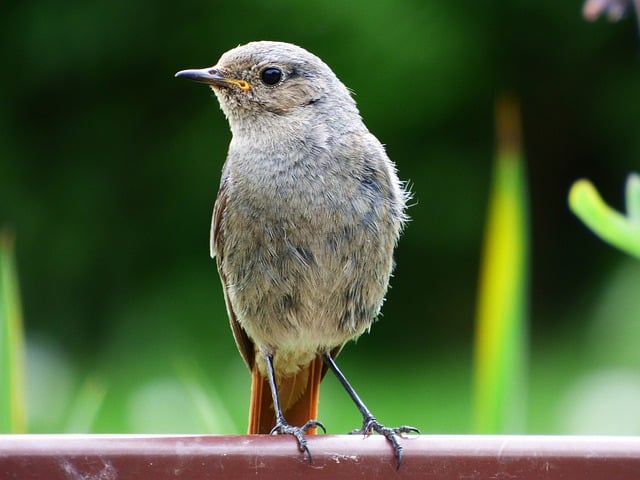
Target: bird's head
{"points": [[271, 78]]}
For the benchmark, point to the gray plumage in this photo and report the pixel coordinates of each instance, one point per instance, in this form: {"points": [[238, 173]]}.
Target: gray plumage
{"points": [[309, 209], [307, 217]]}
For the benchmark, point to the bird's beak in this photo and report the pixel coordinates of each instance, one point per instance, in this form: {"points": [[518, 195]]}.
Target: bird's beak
{"points": [[213, 76]]}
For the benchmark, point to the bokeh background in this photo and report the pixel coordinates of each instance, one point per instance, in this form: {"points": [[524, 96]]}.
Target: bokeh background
{"points": [[109, 168]]}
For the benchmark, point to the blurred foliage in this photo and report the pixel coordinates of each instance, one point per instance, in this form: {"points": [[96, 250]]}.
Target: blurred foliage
{"points": [[109, 168], [12, 387], [500, 377], [620, 230]]}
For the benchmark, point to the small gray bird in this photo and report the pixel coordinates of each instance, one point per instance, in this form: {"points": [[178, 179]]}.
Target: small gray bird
{"points": [[304, 227]]}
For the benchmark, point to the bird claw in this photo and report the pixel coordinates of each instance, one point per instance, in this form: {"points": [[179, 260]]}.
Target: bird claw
{"points": [[283, 428], [370, 425]]}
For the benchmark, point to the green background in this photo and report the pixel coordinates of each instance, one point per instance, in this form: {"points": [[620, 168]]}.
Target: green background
{"points": [[109, 168]]}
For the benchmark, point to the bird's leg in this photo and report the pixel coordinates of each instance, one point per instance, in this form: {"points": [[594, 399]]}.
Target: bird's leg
{"points": [[369, 422], [282, 427]]}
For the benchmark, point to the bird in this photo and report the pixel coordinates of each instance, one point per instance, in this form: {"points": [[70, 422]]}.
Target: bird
{"points": [[306, 220]]}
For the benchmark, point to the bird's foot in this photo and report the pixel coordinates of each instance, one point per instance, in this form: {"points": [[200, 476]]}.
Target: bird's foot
{"points": [[283, 428], [370, 425]]}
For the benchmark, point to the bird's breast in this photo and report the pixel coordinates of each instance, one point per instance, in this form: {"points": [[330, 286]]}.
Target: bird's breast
{"points": [[307, 254]]}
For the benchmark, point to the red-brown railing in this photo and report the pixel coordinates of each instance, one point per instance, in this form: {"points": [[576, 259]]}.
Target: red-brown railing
{"points": [[130, 457]]}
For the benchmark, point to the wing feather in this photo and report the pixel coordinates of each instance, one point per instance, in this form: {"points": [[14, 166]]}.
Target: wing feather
{"points": [[245, 345]]}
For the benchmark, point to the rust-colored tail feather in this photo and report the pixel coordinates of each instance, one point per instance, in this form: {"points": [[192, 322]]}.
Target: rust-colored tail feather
{"points": [[298, 396]]}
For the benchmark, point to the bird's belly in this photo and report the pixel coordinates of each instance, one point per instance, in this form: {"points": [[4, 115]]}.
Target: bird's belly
{"points": [[308, 288]]}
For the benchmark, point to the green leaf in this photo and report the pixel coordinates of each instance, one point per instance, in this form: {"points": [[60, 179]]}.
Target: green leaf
{"points": [[501, 323], [12, 392]]}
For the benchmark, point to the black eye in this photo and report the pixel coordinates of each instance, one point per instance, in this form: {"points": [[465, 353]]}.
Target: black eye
{"points": [[271, 75]]}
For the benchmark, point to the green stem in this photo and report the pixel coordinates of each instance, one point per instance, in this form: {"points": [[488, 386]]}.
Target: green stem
{"points": [[632, 194], [610, 225]]}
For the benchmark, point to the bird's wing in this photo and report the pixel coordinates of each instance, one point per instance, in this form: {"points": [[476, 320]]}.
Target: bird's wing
{"points": [[245, 345], [218, 210]]}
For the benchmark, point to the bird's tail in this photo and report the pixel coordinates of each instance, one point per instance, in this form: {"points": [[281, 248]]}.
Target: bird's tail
{"points": [[298, 395]]}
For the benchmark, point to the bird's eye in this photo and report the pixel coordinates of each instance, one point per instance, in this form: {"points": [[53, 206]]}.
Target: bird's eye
{"points": [[271, 75]]}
